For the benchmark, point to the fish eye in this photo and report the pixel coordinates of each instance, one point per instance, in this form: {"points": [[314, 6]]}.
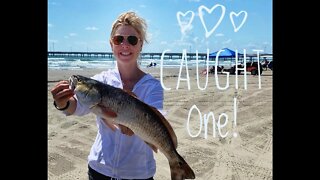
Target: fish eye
{"points": [[78, 79]]}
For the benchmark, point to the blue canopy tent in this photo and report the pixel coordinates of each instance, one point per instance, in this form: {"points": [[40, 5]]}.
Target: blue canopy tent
{"points": [[227, 53]]}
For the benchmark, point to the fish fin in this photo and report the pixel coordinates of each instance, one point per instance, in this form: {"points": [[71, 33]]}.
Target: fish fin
{"points": [[180, 169], [168, 126], [108, 112], [153, 147], [109, 123], [130, 93], [125, 130]]}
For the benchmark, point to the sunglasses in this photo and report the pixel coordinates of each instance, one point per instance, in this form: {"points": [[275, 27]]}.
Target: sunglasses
{"points": [[117, 40]]}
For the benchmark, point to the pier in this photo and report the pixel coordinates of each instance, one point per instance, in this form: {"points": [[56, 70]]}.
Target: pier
{"points": [[61, 54], [109, 55]]}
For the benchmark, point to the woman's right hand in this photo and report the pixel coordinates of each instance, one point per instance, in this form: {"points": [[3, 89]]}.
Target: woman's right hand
{"points": [[61, 93]]}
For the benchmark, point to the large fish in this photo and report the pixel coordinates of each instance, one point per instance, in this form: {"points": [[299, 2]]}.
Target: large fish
{"points": [[127, 110]]}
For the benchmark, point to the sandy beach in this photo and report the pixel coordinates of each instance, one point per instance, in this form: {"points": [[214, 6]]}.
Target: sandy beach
{"points": [[229, 149]]}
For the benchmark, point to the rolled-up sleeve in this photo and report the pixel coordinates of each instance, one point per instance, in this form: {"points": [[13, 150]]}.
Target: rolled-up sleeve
{"points": [[81, 109]]}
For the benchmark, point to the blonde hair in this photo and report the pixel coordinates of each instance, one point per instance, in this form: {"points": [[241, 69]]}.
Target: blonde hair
{"points": [[131, 19]]}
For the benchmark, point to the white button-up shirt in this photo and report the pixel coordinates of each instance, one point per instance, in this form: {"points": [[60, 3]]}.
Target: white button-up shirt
{"points": [[118, 155]]}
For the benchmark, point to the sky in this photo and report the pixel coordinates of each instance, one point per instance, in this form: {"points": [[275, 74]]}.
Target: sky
{"points": [[175, 25]]}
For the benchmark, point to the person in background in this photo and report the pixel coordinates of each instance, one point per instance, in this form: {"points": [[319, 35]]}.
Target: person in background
{"points": [[117, 152], [265, 65]]}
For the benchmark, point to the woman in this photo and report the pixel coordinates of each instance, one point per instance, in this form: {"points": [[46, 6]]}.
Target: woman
{"points": [[119, 154]]}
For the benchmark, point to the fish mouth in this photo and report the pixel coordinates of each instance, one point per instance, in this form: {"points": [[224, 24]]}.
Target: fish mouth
{"points": [[73, 80], [78, 84]]}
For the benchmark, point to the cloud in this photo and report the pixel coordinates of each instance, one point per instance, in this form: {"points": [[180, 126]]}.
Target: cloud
{"points": [[181, 43], [227, 41], [266, 43], [188, 28], [92, 28], [251, 45], [70, 35], [149, 37], [163, 42], [52, 41], [219, 34], [53, 3], [195, 39], [82, 43]]}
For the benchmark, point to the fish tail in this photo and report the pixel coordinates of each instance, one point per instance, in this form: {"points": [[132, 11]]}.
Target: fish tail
{"points": [[180, 169]]}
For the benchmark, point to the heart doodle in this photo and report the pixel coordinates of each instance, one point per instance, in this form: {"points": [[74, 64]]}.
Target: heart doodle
{"points": [[210, 11], [236, 15], [184, 26]]}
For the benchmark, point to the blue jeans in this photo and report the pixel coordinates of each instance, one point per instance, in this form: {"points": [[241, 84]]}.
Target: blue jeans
{"points": [[94, 175]]}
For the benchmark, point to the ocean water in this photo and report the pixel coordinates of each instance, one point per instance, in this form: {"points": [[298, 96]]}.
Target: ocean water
{"points": [[79, 63]]}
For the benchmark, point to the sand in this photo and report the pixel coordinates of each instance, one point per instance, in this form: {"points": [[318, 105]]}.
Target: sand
{"points": [[245, 153]]}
